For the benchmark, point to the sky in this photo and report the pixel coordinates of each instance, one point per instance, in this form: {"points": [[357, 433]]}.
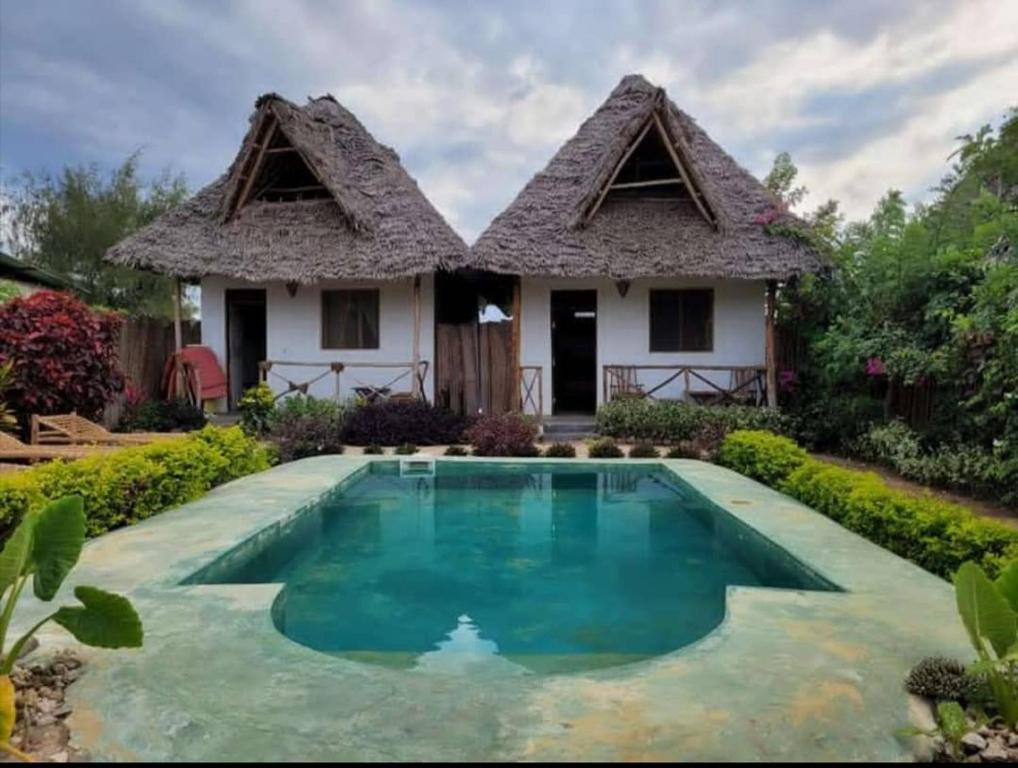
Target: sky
{"points": [[866, 95]]}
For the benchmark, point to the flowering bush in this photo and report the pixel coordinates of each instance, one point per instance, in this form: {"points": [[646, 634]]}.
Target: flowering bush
{"points": [[65, 355], [504, 434]]}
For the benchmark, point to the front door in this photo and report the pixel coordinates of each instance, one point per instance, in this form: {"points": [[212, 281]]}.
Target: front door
{"points": [[573, 351], [245, 339]]}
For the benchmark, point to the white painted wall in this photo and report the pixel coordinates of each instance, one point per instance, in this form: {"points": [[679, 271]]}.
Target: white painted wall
{"points": [[623, 328], [294, 331]]}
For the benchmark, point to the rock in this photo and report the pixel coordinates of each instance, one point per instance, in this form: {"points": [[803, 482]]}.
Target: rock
{"points": [[972, 742], [59, 757], [1012, 740], [994, 753]]}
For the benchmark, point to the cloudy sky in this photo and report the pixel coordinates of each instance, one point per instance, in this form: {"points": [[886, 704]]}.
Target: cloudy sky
{"points": [[865, 94]]}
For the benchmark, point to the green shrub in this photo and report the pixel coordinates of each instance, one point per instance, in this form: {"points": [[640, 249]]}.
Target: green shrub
{"points": [[161, 416], [669, 422], [644, 450], [306, 426], [456, 450], [934, 534], [131, 484], [886, 443], [560, 451], [760, 455], [407, 449], [604, 448], [374, 450], [256, 407]]}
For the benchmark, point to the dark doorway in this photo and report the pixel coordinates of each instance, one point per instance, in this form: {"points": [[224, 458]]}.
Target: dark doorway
{"points": [[574, 351], [245, 339]]}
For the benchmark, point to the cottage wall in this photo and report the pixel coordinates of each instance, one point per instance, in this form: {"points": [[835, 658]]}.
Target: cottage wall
{"points": [[294, 332], [623, 328]]}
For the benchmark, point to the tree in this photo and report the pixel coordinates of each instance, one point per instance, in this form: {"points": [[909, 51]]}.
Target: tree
{"points": [[66, 223], [781, 180]]}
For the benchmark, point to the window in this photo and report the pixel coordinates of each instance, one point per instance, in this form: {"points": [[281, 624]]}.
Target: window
{"points": [[350, 319], [682, 321]]}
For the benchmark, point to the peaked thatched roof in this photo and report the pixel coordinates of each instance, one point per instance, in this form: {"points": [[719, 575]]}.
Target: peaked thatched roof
{"points": [[375, 222], [546, 229]]}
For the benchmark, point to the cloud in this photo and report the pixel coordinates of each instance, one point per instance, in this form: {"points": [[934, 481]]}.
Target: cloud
{"points": [[476, 97]]}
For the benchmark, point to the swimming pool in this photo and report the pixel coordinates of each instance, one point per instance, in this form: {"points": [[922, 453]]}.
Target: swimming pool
{"points": [[555, 567]]}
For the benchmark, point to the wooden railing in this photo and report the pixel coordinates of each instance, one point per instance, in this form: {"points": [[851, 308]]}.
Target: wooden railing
{"points": [[410, 381], [532, 391], [700, 383]]}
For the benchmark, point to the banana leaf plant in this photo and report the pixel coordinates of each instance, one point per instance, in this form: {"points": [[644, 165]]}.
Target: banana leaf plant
{"points": [[989, 611], [44, 548]]}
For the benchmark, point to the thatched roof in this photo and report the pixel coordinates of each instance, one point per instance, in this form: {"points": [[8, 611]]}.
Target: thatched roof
{"points": [[548, 229], [370, 221]]}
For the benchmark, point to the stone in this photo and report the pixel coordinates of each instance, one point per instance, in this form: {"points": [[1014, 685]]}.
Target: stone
{"points": [[59, 757], [994, 753], [1012, 740], [972, 742]]}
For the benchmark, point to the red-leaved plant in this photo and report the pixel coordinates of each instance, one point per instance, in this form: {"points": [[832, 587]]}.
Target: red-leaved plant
{"points": [[505, 434], [65, 355]]}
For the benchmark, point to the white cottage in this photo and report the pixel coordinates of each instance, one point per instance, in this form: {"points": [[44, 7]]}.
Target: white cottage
{"points": [[644, 263], [637, 263], [315, 252]]}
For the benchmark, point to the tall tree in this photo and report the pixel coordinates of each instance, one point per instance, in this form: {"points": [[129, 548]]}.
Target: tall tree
{"points": [[66, 223]]}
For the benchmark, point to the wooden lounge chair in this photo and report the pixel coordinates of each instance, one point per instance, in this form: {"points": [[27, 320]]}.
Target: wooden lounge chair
{"points": [[72, 429], [12, 449]]}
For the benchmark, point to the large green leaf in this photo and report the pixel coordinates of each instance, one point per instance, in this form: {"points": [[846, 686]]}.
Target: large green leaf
{"points": [[985, 612], [59, 536], [1007, 584], [105, 621], [16, 552]]}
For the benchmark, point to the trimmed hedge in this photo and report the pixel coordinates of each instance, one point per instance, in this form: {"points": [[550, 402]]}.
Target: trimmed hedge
{"points": [[662, 421], [936, 535], [761, 455], [131, 484]]}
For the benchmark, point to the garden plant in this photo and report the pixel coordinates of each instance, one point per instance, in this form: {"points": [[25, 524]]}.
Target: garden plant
{"points": [[43, 549]]}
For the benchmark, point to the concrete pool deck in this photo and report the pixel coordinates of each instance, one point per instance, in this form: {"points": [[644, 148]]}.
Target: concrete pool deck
{"points": [[787, 676]]}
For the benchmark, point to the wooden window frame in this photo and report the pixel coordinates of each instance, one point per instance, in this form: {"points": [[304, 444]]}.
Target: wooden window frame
{"points": [[323, 319], [680, 348]]}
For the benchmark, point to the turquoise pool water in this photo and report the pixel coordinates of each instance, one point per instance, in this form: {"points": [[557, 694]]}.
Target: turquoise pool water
{"points": [[553, 567]]}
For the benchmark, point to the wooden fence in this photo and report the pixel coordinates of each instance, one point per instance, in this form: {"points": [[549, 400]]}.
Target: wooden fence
{"points": [[145, 344]]}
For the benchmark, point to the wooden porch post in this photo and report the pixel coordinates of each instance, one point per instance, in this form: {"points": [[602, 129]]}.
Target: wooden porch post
{"points": [[769, 344], [178, 342], [178, 335], [517, 383], [416, 308]]}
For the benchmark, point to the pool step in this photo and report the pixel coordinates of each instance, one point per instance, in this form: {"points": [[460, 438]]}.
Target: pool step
{"points": [[417, 466], [568, 428]]}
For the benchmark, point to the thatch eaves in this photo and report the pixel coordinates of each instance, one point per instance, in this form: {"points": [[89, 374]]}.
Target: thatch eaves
{"points": [[375, 223], [546, 230]]}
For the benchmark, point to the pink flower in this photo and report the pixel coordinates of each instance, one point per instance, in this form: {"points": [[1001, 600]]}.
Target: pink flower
{"points": [[875, 367]]}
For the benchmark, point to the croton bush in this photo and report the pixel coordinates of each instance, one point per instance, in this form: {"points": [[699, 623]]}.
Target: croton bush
{"points": [[397, 422], [503, 434], [65, 354]]}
